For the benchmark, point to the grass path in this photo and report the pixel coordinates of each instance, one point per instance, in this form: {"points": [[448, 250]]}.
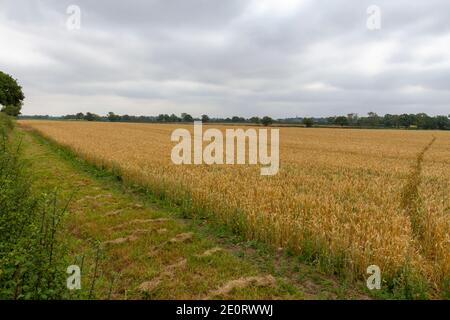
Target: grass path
{"points": [[131, 246]]}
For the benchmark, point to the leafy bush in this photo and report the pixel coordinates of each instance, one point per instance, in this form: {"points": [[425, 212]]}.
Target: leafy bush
{"points": [[31, 258], [11, 95]]}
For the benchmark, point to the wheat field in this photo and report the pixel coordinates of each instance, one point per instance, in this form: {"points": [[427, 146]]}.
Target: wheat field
{"points": [[343, 198]]}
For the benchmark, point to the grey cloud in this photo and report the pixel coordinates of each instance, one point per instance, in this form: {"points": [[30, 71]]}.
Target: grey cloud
{"points": [[229, 57]]}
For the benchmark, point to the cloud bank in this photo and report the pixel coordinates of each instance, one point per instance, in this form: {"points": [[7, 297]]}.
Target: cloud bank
{"points": [[231, 57]]}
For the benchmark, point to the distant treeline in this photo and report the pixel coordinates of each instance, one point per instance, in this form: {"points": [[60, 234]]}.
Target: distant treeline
{"points": [[372, 120]]}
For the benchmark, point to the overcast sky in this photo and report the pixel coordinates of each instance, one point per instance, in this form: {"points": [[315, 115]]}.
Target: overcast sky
{"points": [[229, 57]]}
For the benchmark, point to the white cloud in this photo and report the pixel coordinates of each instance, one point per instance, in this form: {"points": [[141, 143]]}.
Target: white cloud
{"points": [[319, 86]]}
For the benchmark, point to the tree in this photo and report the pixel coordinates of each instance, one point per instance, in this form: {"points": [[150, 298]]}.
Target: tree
{"points": [[174, 118], [373, 119], [330, 120], [423, 121], [308, 122], [12, 110], [164, 118], [186, 117], [352, 118], [341, 120], [237, 119], [11, 95], [205, 118], [442, 122], [113, 117], [254, 120], [91, 117], [266, 121], [404, 120], [79, 116], [390, 121]]}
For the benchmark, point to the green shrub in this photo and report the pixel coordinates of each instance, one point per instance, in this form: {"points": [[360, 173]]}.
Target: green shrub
{"points": [[31, 258]]}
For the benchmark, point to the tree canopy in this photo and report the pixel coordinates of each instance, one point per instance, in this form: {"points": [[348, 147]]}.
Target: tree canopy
{"points": [[266, 121], [308, 122], [372, 120], [11, 95]]}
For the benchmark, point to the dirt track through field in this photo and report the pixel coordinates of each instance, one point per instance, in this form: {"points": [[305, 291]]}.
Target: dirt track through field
{"points": [[411, 201]]}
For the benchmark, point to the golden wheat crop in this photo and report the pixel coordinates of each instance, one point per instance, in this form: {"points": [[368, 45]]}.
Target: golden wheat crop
{"points": [[344, 198]]}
